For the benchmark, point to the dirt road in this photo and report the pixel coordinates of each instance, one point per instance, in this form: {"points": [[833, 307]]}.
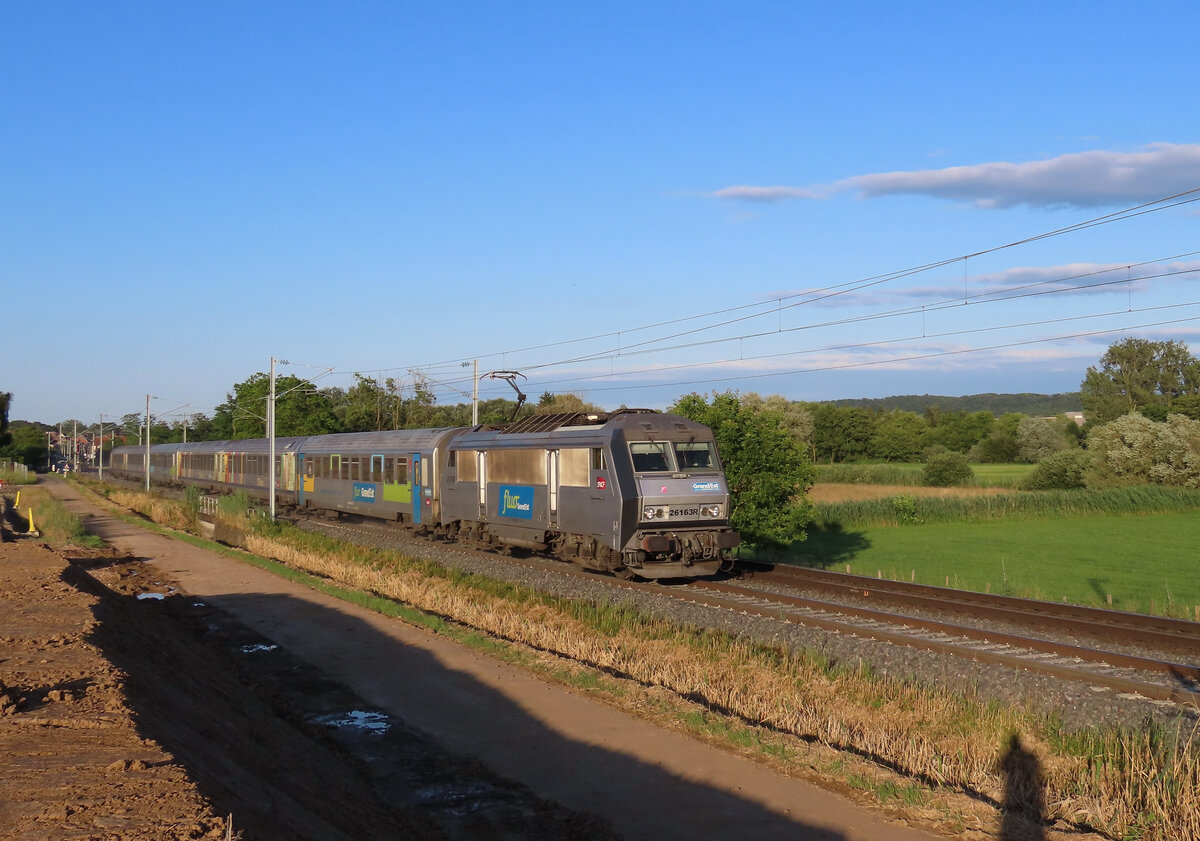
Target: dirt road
{"points": [[475, 749]]}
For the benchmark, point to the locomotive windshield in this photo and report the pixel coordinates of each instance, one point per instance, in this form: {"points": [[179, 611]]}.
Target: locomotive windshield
{"points": [[694, 454], [667, 457], [650, 457]]}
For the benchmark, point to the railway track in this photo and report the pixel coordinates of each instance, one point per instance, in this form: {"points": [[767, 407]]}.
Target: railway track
{"points": [[897, 620], [1159, 633]]}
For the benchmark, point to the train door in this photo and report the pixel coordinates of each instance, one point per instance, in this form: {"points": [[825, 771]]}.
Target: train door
{"points": [[307, 483], [481, 475], [418, 493], [552, 486]]}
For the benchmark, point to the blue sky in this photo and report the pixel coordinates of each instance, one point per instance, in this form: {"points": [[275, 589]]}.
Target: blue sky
{"points": [[627, 201]]}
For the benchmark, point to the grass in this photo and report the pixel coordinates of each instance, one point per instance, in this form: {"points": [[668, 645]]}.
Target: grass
{"points": [[894, 737], [1146, 564], [18, 477], [57, 525], [986, 475], [957, 508]]}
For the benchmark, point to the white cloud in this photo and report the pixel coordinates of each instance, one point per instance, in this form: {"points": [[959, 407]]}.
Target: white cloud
{"points": [[766, 194], [1081, 179]]}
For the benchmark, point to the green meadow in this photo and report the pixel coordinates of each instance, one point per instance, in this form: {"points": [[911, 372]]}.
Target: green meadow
{"points": [[1141, 556], [986, 475]]}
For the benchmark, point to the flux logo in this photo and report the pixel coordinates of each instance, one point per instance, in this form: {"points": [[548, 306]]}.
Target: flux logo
{"points": [[516, 501]]}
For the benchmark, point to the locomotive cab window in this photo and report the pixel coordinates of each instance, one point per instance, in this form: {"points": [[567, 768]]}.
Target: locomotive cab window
{"points": [[694, 455], [650, 457]]}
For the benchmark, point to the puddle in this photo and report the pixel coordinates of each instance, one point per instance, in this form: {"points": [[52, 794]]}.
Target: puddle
{"points": [[371, 722], [147, 596], [257, 647]]}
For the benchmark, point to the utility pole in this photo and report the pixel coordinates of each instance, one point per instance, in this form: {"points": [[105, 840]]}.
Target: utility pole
{"points": [[100, 459], [271, 436], [474, 393], [147, 443], [49, 452], [75, 447]]}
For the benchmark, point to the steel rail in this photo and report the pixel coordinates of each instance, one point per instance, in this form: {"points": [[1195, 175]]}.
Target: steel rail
{"points": [[776, 606], [1099, 623]]}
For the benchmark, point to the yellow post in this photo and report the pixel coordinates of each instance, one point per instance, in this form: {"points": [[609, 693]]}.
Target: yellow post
{"points": [[17, 504], [31, 528]]}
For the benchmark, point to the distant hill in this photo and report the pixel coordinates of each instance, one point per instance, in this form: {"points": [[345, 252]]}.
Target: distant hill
{"points": [[1036, 405]]}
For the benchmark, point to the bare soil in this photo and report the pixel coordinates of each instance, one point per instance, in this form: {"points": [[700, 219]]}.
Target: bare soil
{"points": [[144, 719]]}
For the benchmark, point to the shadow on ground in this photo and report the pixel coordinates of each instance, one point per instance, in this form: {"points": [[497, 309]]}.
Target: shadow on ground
{"points": [[292, 754]]}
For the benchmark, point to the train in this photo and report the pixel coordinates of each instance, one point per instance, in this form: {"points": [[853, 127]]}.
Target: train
{"points": [[634, 492]]}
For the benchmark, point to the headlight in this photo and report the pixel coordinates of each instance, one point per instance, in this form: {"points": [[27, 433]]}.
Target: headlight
{"points": [[654, 512], [714, 511]]}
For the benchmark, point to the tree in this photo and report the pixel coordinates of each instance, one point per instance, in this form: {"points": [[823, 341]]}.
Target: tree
{"points": [[365, 406], [767, 471], [899, 436], [558, 404], [797, 418], [840, 433], [960, 431], [1140, 375], [1038, 438], [27, 444], [299, 408], [5, 435]]}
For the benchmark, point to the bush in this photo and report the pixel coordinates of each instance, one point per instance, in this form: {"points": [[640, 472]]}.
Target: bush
{"points": [[1135, 450], [906, 510], [945, 469], [1062, 471]]}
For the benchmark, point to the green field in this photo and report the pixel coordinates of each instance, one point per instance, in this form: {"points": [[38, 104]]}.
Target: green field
{"points": [[986, 475], [1147, 564]]}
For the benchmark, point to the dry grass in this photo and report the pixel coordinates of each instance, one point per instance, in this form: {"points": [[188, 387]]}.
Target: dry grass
{"points": [[1136, 785], [838, 492]]}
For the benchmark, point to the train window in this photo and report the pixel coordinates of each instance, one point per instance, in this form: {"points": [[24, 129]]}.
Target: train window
{"points": [[402, 471], [389, 468], [519, 467], [309, 466], [650, 457], [573, 467], [345, 468], [599, 462], [452, 459], [468, 469], [353, 461], [694, 454]]}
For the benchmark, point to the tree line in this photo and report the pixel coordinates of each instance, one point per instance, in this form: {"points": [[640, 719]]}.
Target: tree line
{"points": [[1141, 403]]}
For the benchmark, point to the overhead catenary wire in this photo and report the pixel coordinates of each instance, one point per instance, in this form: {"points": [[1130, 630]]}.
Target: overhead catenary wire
{"points": [[833, 290], [775, 306]]}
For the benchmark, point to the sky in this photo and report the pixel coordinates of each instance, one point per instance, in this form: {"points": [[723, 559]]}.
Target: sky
{"points": [[625, 201]]}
